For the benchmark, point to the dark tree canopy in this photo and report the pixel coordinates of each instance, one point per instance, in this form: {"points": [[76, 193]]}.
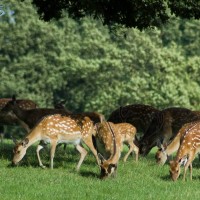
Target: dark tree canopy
{"points": [[129, 13]]}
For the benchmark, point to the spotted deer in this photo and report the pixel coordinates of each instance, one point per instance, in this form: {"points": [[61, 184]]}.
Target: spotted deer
{"points": [[108, 140], [165, 126], [56, 129], [189, 147], [139, 115], [164, 152], [29, 118]]}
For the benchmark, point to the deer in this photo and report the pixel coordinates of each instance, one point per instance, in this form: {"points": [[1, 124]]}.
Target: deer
{"points": [[164, 152], [55, 129], [189, 147], [29, 118], [139, 115], [108, 140], [165, 126], [7, 118]]}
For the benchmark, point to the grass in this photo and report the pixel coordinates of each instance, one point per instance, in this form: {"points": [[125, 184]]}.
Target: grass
{"points": [[142, 180]]}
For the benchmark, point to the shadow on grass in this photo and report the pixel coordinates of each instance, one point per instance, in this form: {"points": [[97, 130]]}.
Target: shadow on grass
{"points": [[88, 174], [166, 178]]}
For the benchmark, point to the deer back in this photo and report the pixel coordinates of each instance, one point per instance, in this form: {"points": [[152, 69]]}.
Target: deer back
{"points": [[125, 130], [139, 115], [8, 118]]}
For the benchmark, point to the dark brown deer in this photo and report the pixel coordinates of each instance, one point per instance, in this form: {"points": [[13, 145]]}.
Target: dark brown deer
{"points": [[7, 118], [139, 115], [189, 147], [29, 118], [108, 140], [94, 116], [55, 129], [165, 126]]}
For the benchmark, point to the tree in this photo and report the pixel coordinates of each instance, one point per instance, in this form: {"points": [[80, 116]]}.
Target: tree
{"points": [[130, 13]]}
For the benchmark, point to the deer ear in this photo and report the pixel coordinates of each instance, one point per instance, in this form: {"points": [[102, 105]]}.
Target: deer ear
{"points": [[101, 158], [25, 142]]}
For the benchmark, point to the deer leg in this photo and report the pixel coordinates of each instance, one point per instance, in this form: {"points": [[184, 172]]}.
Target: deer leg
{"points": [[132, 147], [39, 147], [90, 145], [190, 167], [52, 152], [83, 153], [189, 163]]}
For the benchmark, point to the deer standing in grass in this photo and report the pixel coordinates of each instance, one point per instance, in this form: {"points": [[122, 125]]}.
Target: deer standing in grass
{"points": [[164, 152], [165, 126], [56, 129], [108, 140], [189, 147], [29, 118]]}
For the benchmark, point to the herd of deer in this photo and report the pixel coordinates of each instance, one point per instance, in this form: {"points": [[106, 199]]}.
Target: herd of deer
{"points": [[140, 127]]}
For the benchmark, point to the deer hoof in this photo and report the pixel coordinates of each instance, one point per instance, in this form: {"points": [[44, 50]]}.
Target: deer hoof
{"points": [[42, 166]]}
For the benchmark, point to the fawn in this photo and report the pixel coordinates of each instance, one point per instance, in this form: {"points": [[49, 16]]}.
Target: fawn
{"points": [[189, 147], [56, 129], [108, 140]]}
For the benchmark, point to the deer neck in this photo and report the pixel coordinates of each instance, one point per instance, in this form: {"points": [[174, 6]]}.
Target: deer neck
{"points": [[116, 149], [173, 146], [20, 113], [34, 136]]}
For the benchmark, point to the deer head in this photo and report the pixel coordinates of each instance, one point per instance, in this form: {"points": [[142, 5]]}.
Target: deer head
{"points": [[161, 155], [19, 151], [108, 165], [174, 170], [107, 169]]}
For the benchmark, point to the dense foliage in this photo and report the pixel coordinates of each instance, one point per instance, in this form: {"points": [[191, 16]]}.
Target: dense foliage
{"points": [[137, 13], [95, 69]]}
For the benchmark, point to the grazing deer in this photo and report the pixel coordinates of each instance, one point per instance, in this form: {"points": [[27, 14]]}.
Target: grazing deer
{"points": [[108, 140], [56, 129], [138, 115], [164, 152], [189, 147], [7, 118], [29, 118], [164, 127]]}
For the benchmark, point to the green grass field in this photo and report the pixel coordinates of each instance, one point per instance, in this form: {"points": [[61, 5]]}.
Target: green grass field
{"points": [[142, 180]]}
